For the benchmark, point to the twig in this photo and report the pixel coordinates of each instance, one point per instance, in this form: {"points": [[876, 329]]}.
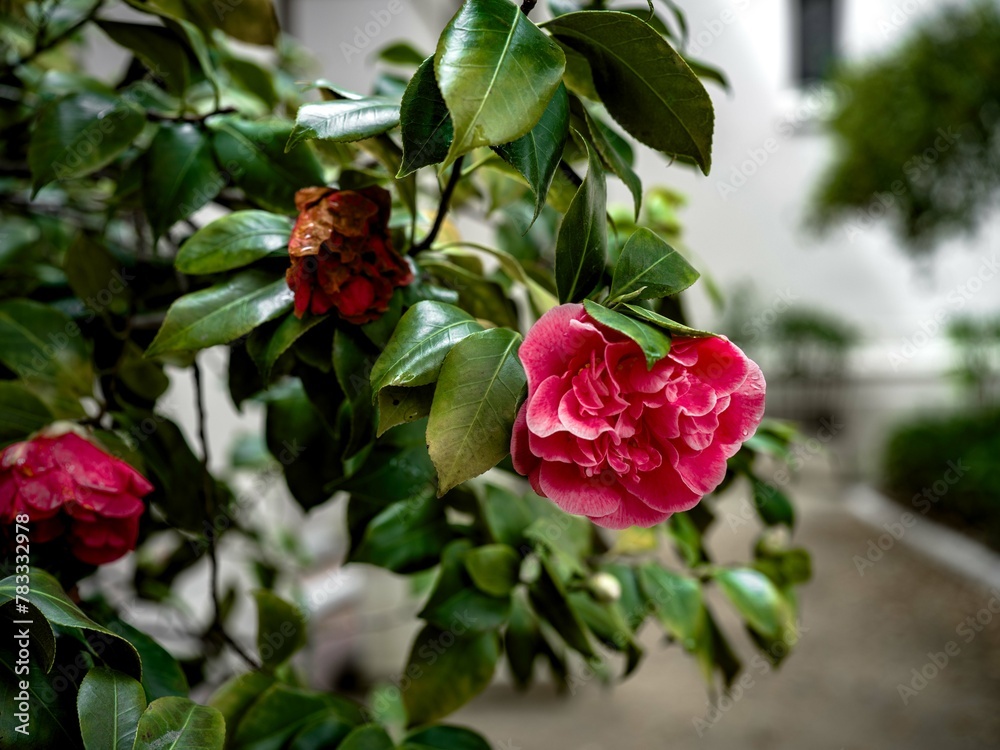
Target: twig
{"points": [[442, 212]]}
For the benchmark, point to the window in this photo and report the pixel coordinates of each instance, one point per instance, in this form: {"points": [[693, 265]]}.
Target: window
{"points": [[816, 39]]}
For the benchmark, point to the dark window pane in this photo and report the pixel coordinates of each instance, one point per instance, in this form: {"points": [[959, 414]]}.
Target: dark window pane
{"points": [[816, 38]]}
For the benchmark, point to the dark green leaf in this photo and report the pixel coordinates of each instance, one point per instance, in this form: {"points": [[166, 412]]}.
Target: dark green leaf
{"points": [[182, 723], [417, 349], [426, 124], [494, 568], [179, 176], [645, 85], [282, 711], [398, 406], [497, 72], [649, 268], [655, 344], [235, 697], [616, 155], [161, 674], [266, 345], [322, 732], [281, 628], [672, 327], [401, 53], [447, 670], [406, 536], [96, 277], [235, 240], [537, 154], [582, 245], [444, 738], [21, 412], [109, 704], [221, 313], [548, 597], [472, 416], [522, 642], [253, 154], [368, 738], [161, 50], [772, 505], [79, 134], [352, 363], [456, 603], [704, 70], [344, 120]]}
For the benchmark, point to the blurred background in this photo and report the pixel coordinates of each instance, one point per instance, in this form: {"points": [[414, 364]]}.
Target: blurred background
{"points": [[850, 238]]}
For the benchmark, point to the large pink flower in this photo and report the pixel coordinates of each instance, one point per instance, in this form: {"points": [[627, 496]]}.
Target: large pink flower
{"points": [[604, 436], [68, 486]]}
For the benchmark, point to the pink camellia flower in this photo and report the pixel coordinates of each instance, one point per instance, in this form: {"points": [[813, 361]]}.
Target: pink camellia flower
{"points": [[603, 436], [66, 485]]}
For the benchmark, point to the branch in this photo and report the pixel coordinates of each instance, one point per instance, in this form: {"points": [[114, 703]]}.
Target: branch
{"points": [[442, 212]]}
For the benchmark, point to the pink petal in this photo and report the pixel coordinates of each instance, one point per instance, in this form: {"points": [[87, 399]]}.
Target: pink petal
{"points": [[543, 406], [544, 351], [520, 453], [746, 408], [702, 471], [663, 491], [567, 486], [631, 512], [720, 364]]}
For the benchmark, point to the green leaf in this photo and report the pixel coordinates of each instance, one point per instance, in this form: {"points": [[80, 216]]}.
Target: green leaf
{"points": [[99, 279], [235, 240], [548, 597], [235, 697], [252, 21], [494, 568], [282, 711], [281, 628], [444, 737], [607, 621], [670, 326], [536, 155], [109, 704], [79, 134], [472, 416], [773, 505], [678, 602], [456, 603], [649, 268], [645, 85], [352, 363], [655, 344], [755, 597], [179, 175], [422, 339], [406, 536], [48, 596], [368, 738], [265, 346], [426, 124], [21, 412], [447, 671], [320, 733], [496, 71], [522, 642], [161, 674], [400, 53], [344, 120], [582, 245], [398, 406], [613, 157], [162, 51], [704, 70], [253, 153], [183, 724], [221, 313]]}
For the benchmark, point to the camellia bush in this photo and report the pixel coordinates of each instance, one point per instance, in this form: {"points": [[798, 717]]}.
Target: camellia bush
{"points": [[489, 411]]}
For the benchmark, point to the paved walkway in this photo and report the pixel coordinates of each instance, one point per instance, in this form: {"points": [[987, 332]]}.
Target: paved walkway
{"points": [[838, 691]]}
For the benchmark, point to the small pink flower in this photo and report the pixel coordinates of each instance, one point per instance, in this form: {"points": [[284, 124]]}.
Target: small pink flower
{"points": [[69, 487], [603, 436]]}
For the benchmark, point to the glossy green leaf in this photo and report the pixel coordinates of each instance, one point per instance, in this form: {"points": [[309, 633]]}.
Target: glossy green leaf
{"points": [[536, 155], [265, 346], [161, 674], [253, 154], [320, 733], [344, 120], [401, 53], [443, 737], [406, 536], [426, 124], [417, 349], [162, 51], [497, 72], [548, 597], [21, 412], [649, 268], [221, 313], [654, 343], [48, 596], [109, 704], [613, 157], [235, 240], [235, 697], [582, 244], [352, 363], [494, 568], [368, 738], [281, 628], [479, 390], [79, 134], [179, 175], [670, 326], [456, 603], [282, 711], [645, 85], [447, 671], [755, 597], [183, 724], [773, 505], [398, 406], [678, 602]]}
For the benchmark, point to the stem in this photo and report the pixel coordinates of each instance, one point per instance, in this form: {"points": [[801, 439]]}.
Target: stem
{"points": [[213, 554], [442, 212], [527, 6]]}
